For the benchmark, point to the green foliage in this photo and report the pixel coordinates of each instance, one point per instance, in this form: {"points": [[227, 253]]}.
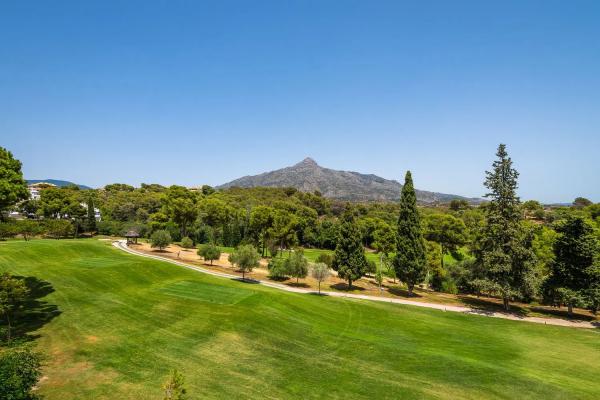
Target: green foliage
{"points": [[61, 203], [384, 239], [91, 215], [446, 230], [278, 268], [349, 257], [160, 239], [173, 387], [320, 272], [459, 205], [28, 228], [187, 243], [58, 228], [245, 258], [20, 370], [13, 293], [209, 252], [12, 185], [325, 258], [180, 205], [410, 262], [504, 248], [297, 265], [575, 270], [581, 202]]}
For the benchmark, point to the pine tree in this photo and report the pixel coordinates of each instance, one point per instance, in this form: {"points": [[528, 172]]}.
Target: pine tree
{"points": [[504, 247], [91, 215], [349, 257], [410, 263], [576, 266]]}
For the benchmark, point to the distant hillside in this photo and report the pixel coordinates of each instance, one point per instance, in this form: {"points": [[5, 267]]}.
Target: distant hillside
{"points": [[56, 182], [308, 176]]}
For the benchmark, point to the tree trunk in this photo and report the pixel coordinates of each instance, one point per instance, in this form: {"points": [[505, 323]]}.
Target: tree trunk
{"points": [[506, 303], [570, 309], [319, 287], [349, 283], [442, 248], [410, 290]]}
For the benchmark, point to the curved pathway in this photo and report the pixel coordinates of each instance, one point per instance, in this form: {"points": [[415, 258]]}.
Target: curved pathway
{"points": [[121, 244]]}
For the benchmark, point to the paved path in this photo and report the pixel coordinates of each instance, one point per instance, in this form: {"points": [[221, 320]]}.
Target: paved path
{"points": [[121, 244]]}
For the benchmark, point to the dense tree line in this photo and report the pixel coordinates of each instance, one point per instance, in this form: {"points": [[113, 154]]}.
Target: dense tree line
{"points": [[501, 247]]}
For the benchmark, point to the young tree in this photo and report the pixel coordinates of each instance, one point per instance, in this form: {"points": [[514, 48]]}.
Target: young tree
{"points": [[28, 228], [278, 268], [57, 228], [20, 370], [209, 252], [187, 243], [446, 230], [410, 263], [325, 258], [576, 266], [245, 258], [13, 187], [160, 239], [320, 271], [504, 249], [173, 387], [91, 215], [349, 257], [297, 265], [385, 239], [13, 293]]}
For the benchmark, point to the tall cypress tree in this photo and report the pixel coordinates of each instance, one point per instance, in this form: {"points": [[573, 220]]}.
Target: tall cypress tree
{"points": [[349, 258], [410, 263], [91, 215], [504, 247]]}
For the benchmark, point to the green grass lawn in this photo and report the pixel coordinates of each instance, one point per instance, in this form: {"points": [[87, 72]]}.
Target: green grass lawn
{"points": [[123, 321]]}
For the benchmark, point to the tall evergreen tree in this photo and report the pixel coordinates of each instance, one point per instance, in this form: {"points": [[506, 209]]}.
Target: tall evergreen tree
{"points": [[13, 187], [575, 271], [410, 263], [91, 215], [349, 257], [504, 247]]}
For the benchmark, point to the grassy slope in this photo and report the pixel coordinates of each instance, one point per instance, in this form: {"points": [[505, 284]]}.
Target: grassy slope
{"points": [[126, 320]]}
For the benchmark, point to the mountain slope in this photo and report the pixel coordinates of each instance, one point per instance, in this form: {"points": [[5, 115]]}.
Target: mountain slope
{"points": [[56, 182], [308, 176]]}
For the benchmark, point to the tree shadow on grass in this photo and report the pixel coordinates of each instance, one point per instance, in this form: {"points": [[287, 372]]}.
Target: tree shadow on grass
{"points": [[298, 284], [246, 280], [35, 312], [345, 288], [485, 306], [562, 313], [397, 291]]}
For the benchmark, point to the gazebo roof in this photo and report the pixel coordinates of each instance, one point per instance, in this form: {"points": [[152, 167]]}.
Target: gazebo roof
{"points": [[132, 233]]}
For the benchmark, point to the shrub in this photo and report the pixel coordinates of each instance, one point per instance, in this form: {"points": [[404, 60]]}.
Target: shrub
{"points": [[160, 239], [20, 370], [325, 258], [278, 269], [209, 252], [187, 243], [297, 265]]}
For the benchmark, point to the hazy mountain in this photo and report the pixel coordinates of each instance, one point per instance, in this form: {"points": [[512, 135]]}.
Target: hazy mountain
{"points": [[56, 182], [308, 176]]}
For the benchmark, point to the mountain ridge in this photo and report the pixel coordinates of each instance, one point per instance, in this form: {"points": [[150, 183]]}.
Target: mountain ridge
{"points": [[308, 176]]}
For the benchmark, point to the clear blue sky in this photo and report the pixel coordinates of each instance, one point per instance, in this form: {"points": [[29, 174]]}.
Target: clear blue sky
{"points": [[203, 92]]}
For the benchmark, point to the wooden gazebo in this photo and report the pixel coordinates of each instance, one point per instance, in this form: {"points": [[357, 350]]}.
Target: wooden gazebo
{"points": [[132, 236]]}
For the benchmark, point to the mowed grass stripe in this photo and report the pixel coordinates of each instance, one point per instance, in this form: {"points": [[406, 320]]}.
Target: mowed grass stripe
{"points": [[125, 322]]}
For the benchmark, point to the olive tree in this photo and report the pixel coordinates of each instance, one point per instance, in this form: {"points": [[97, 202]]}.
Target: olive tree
{"points": [[209, 252], [245, 258], [320, 271], [160, 239]]}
